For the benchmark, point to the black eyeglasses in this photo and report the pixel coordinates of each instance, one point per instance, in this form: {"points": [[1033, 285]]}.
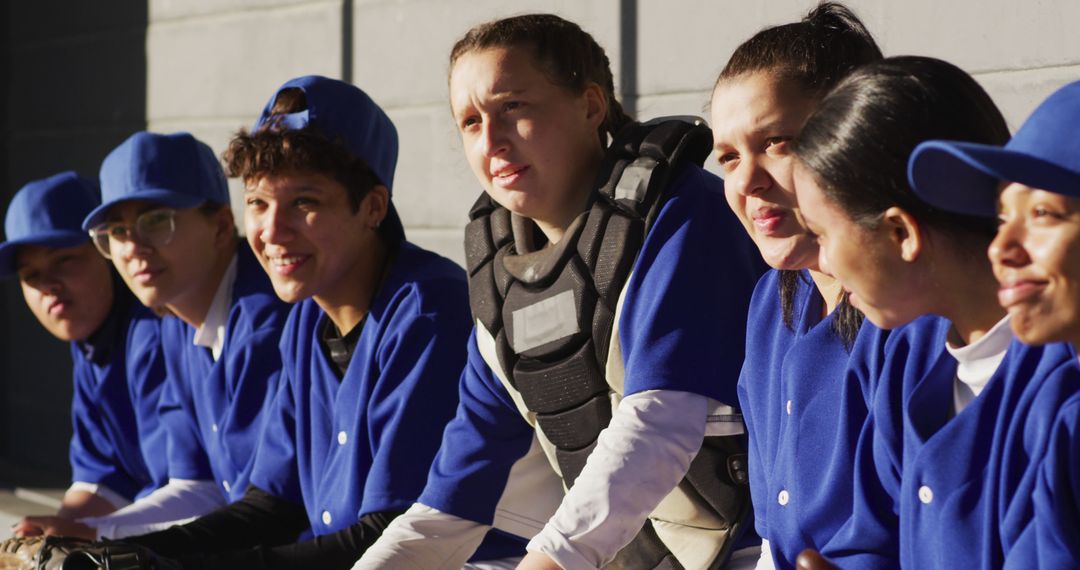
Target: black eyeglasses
{"points": [[155, 228]]}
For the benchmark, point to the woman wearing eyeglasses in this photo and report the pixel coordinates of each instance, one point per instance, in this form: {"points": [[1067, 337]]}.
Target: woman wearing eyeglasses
{"points": [[166, 224]]}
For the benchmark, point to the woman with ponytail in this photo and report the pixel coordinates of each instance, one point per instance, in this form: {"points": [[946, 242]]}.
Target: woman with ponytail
{"points": [[962, 415], [808, 375], [603, 300]]}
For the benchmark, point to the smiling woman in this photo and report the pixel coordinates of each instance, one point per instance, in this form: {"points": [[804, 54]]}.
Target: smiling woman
{"points": [[1035, 179], [1036, 259], [802, 386], [962, 412], [311, 240], [370, 354]]}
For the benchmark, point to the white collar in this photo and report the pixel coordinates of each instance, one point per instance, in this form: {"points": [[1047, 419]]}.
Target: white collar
{"points": [[978, 361], [212, 332], [989, 345]]}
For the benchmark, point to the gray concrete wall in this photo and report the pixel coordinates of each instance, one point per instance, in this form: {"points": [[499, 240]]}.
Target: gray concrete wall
{"points": [[212, 64]]}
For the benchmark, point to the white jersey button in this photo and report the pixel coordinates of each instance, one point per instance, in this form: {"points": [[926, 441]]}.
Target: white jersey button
{"points": [[342, 437], [326, 518], [789, 407], [226, 485], [926, 495], [783, 498], [213, 428]]}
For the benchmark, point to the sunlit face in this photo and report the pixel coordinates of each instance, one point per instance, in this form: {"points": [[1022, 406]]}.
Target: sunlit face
{"points": [[869, 263], [307, 238], [174, 273], [68, 289], [754, 116], [1036, 259], [532, 144]]}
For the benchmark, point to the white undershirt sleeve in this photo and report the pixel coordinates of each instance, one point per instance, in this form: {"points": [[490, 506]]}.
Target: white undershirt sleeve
{"points": [[424, 538], [114, 498], [179, 501], [765, 561], [639, 459]]}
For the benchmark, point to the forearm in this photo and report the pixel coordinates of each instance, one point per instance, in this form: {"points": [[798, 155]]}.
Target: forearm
{"points": [[638, 460], [84, 499], [330, 552], [179, 500], [424, 539], [257, 519]]}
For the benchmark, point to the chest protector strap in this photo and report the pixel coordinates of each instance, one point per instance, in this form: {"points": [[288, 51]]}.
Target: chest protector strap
{"points": [[551, 311]]}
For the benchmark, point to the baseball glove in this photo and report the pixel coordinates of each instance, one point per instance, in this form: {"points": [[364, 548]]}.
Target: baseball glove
{"points": [[63, 553], [19, 553]]}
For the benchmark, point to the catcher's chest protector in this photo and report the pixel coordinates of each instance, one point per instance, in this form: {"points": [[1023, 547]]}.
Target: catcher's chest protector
{"points": [[547, 321]]}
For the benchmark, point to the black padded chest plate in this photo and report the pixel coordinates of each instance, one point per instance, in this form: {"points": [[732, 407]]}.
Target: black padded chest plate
{"points": [[551, 310]]}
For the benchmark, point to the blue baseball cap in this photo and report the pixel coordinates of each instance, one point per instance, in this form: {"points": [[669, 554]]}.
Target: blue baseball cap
{"points": [[48, 212], [342, 112], [1044, 153], [174, 170]]}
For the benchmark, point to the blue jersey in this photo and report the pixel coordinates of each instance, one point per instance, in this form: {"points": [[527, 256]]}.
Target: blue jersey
{"points": [[938, 489], [351, 446], [1052, 537], [805, 399], [215, 410], [682, 327], [117, 438]]}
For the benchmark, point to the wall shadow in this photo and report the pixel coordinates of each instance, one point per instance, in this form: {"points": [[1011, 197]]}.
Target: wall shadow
{"points": [[74, 86]]}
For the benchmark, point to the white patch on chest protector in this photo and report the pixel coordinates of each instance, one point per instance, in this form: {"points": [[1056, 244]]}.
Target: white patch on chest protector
{"points": [[545, 321]]}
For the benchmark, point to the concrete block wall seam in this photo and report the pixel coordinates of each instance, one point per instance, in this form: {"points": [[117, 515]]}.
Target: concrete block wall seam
{"points": [[413, 40], [170, 11], [1018, 92], [986, 35], [401, 50], [710, 31], [228, 66]]}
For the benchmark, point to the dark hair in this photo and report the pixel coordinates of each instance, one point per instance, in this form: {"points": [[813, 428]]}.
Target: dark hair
{"points": [[857, 143], [814, 53], [272, 150], [568, 55]]}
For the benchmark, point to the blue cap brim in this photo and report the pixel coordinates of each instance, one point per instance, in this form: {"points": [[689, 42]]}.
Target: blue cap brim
{"points": [[159, 196], [57, 239], [964, 177]]}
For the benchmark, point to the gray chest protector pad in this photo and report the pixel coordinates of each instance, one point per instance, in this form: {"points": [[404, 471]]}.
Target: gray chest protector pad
{"points": [[551, 311]]}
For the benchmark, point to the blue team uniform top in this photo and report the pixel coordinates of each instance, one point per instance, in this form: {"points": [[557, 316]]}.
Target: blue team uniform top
{"points": [[682, 328], [215, 411], [117, 437], [805, 398], [937, 489], [345, 447]]}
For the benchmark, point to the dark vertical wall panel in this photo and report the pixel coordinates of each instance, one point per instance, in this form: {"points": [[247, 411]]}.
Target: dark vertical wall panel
{"points": [[75, 86], [628, 55]]}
